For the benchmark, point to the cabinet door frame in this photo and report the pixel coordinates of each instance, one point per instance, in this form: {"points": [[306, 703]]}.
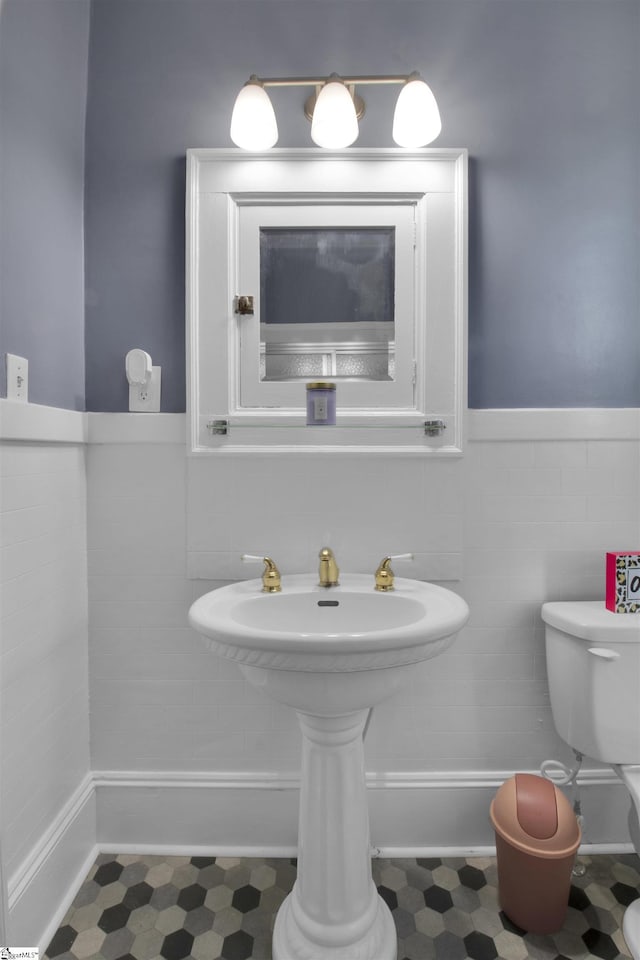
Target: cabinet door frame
{"points": [[221, 184]]}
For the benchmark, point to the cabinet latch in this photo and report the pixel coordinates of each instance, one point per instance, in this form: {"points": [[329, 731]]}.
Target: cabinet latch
{"points": [[243, 304], [433, 428]]}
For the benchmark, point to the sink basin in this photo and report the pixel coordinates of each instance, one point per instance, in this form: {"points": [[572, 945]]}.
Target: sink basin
{"points": [[345, 628], [331, 654]]}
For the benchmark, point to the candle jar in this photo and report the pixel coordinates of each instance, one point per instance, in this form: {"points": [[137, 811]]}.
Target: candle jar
{"points": [[321, 404]]}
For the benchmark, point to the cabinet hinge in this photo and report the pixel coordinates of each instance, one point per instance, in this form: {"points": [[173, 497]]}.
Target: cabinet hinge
{"points": [[218, 428]]}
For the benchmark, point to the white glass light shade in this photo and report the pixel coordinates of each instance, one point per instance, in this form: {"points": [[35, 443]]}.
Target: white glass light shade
{"points": [[334, 123], [253, 121], [416, 121]]}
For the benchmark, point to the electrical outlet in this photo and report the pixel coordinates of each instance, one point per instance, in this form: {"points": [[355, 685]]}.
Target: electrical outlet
{"points": [[146, 398], [17, 378]]}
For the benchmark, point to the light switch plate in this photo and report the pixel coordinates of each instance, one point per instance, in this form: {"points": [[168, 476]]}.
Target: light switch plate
{"points": [[17, 378]]}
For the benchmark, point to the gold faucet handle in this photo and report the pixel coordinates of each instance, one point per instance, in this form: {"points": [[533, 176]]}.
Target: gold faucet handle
{"points": [[384, 573], [271, 582]]}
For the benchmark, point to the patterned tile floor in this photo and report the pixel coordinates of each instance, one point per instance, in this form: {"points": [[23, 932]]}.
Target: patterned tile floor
{"points": [[206, 908]]}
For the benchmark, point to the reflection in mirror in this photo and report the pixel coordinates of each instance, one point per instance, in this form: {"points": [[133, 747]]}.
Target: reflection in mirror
{"points": [[327, 300]]}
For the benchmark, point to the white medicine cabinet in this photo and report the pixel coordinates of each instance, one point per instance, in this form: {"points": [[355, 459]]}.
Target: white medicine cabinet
{"points": [[310, 266]]}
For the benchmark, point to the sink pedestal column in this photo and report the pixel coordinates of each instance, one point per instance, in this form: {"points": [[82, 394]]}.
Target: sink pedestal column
{"points": [[334, 911]]}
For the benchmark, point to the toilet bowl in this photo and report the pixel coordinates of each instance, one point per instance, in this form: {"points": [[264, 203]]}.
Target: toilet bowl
{"points": [[631, 921], [630, 775], [593, 667]]}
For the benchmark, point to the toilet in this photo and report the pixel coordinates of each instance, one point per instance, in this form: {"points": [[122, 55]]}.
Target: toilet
{"points": [[593, 666]]}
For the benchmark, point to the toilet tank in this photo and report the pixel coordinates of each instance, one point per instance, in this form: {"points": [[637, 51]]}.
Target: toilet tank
{"points": [[593, 667]]}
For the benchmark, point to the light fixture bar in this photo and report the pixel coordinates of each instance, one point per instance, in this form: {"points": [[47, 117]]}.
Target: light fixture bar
{"points": [[318, 81]]}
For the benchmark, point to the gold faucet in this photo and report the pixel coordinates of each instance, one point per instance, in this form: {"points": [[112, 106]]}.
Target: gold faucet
{"points": [[271, 575], [384, 573], [328, 569]]}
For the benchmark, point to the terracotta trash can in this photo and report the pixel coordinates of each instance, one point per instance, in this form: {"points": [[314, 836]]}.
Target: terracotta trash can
{"points": [[537, 835]]}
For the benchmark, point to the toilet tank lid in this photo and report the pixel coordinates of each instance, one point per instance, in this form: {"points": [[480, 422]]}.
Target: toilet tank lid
{"points": [[590, 620]]}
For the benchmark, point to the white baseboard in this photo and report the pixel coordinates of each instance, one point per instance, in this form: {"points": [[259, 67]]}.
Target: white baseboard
{"points": [[243, 813], [42, 888], [68, 896], [416, 814]]}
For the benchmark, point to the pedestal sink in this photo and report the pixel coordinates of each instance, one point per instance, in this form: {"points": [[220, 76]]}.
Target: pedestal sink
{"points": [[331, 655]]}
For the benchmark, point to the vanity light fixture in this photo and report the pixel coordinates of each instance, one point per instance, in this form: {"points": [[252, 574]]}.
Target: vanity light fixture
{"points": [[253, 122], [334, 122], [334, 110]]}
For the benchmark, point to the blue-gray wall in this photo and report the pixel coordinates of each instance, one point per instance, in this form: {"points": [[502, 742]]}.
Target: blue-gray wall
{"points": [[542, 92], [544, 95], [43, 86]]}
